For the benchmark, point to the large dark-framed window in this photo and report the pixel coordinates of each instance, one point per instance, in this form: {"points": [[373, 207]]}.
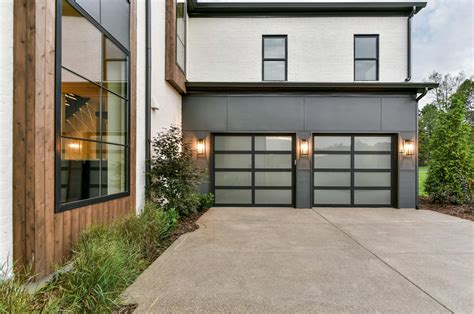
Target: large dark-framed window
{"points": [[366, 57], [181, 35], [274, 58], [92, 108]]}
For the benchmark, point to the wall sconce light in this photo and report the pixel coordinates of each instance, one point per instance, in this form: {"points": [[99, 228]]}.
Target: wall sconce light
{"points": [[201, 147], [408, 148], [304, 147]]}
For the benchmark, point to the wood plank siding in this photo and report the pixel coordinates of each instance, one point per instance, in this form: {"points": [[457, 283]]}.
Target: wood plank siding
{"points": [[43, 238]]}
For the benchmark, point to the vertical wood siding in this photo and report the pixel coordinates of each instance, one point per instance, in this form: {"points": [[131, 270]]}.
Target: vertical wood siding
{"points": [[43, 238]]}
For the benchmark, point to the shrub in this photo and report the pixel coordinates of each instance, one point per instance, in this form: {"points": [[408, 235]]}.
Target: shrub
{"points": [[451, 163], [13, 297], [206, 201], [173, 175]]}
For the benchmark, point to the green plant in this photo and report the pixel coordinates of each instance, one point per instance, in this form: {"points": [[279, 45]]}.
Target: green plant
{"points": [[451, 162], [206, 201], [173, 175], [13, 296]]}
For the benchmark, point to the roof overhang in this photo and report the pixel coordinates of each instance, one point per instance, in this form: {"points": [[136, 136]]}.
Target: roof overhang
{"points": [[295, 87], [203, 9]]}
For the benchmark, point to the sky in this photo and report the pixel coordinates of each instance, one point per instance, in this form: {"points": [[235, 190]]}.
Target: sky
{"points": [[443, 36]]}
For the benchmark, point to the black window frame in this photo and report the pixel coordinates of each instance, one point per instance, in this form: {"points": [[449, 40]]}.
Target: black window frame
{"points": [[177, 38], [376, 59], [275, 59], [58, 206]]}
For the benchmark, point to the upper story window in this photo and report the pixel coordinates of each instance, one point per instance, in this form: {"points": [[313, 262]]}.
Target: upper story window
{"points": [[366, 57], [92, 102], [275, 57], [181, 34]]}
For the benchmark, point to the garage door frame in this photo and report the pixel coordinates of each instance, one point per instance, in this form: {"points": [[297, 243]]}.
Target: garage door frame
{"points": [[253, 169], [393, 170]]}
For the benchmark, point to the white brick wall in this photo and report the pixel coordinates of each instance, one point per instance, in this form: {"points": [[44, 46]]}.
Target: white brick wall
{"points": [[320, 49], [6, 136]]}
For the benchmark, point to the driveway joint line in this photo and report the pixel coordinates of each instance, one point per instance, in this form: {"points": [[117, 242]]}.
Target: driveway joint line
{"points": [[383, 261]]}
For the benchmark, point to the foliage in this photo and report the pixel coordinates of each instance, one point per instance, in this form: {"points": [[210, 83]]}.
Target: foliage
{"points": [[451, 161], [422, 172], [427, 117], [206, 201], [105, 261], [173, 175]]}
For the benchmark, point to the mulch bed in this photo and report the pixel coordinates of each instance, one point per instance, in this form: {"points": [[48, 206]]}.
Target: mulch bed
{"points": [[462, 211]]}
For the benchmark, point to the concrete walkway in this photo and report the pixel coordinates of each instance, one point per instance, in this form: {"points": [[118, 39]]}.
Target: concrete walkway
{"points": [[320, 260]]}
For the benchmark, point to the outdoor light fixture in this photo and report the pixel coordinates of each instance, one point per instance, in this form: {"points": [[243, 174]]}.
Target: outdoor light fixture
{"points": [[201, 147], [304, 147], [408, 148]]}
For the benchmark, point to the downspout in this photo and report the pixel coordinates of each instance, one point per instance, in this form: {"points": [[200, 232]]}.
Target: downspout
{"points": [[148, 95], [413, 12]]}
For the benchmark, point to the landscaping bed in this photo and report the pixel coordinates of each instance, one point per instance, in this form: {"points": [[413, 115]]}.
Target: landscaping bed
{"points": [[465, 211]]}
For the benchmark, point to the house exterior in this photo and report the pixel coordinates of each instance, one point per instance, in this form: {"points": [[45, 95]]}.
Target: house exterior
{"points": [[287, 104]]}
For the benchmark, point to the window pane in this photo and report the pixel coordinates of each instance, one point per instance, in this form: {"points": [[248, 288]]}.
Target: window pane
{"points": [[381, 179], [269, 161], [81, 45], [266, 143], [180, 55], [80, 107], [116, 69], [332, 179], [242, 143], [80, 168], [113, 169], [240, 161], [372, 161], [332, 197], [366, 70], [233, 178], [372, 197], [273, 179], [325, 161], [274, 47], [373, 143], [366, 47], [114, 119], [332, 143], [274, 71], [273, 197], [115, 18], [180, 20], [233, 196], [92, 7]]}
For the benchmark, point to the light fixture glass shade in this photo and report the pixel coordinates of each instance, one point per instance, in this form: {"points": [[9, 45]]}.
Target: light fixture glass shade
{"points": [[304, 147], [409, 147], [201, 147]]}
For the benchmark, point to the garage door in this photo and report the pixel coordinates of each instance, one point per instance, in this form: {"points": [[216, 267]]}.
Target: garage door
{"points": [[253, 170], [353, 170]]}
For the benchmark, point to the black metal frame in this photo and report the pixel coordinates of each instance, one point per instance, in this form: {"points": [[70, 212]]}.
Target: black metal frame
{"points": [[352, 170], [185, 12], [57, 116], [274, 59], [376, 59], [254, 170]]}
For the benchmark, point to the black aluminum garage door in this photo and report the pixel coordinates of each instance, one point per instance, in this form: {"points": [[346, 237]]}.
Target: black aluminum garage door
{"points": [[253, 169], [354, 170]]}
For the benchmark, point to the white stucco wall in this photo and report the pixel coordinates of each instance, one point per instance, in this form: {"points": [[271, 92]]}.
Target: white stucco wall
{"points": [[6, 132], [320, 49], [166, 101]]}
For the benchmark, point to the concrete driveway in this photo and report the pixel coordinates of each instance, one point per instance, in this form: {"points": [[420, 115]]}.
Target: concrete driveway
{"points": [[319, 260]]}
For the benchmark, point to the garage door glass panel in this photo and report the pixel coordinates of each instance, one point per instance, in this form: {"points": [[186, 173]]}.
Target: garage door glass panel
{"points": [[273, 161], [273, 143], [273, 197], [332, 143], [375, 197], [332, 179], [373, 143], [372, 161], [233, 178], [332, 197], [237, 161], [229, 143], [233, 196], [381, 179], [332, 161], [273, 178]]}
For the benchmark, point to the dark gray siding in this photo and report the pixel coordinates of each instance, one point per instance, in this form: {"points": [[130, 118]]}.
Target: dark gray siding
{"points": [[304, 115]]}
